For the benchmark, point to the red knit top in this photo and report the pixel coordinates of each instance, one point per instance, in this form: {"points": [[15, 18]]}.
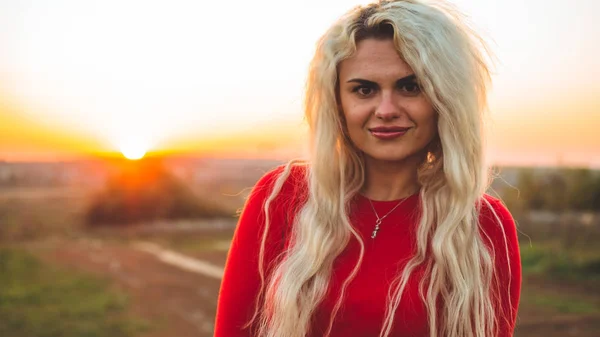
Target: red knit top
{"points": [[363, 309]]}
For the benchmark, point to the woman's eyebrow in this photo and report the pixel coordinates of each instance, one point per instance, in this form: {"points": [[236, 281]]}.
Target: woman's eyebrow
{"points": [[406, 79], [363, 82]]}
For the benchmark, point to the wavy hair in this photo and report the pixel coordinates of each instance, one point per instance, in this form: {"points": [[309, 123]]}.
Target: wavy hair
{"points": [[451, 64]]}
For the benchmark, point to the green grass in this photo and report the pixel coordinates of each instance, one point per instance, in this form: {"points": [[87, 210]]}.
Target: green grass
{"points": [[561, 278], [559, 303], [547, 259], [43, 301]]}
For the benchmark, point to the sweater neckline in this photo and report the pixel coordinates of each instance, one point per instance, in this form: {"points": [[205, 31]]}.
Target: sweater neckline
{"points": [[360, 196]]}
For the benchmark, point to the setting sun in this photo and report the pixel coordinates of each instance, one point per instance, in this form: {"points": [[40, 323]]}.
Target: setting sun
{"points": [[133, 151], [73, 86]]}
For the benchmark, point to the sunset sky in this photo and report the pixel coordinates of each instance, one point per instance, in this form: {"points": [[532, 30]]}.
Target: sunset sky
{"points": [[81, 77]]}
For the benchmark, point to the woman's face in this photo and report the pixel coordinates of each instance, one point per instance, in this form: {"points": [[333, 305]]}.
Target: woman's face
{"points": [[387, 116]]}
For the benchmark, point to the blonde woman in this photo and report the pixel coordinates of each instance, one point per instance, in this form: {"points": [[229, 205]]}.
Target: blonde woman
{"points": [[386, 230]]}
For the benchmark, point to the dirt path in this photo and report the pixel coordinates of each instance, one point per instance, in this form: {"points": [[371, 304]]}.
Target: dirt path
{"points": [[177, 302], [180, 261]]}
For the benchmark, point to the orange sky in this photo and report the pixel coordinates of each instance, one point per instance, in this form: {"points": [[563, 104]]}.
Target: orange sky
{"points": [[73, 86], [25, 138], [525, 136]]}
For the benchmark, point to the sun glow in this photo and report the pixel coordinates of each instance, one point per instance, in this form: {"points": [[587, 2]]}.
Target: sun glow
{"points": [[159, 77], [153, 80], [133, 150]]}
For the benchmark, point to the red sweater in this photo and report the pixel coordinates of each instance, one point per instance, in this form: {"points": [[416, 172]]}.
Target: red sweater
{"points": [[363, 309]]}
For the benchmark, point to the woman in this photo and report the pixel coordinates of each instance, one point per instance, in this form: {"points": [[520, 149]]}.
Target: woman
{"points": [[386, 231]]}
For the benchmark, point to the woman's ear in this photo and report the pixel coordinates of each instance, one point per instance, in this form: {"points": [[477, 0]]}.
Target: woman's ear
{"points": [[434, 149]]}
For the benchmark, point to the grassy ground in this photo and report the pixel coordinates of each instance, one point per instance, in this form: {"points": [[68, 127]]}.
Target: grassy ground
{"points": [[560, 294], [577, 264], [550, 302], [44, 301], [560, 288]]}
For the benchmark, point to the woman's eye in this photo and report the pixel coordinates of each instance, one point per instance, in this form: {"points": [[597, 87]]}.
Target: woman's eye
{"points": [[363, 91], [410, 88]]}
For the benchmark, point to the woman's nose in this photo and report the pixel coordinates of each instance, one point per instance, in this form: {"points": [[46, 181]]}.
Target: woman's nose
{"points": [[387, 107]]}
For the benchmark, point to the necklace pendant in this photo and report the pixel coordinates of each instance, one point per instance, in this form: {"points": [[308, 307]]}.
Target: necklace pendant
{"points": [[374, 234], [379, 219]]}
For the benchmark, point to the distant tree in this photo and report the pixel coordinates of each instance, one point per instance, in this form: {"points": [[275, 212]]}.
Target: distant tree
{"points": [[557, 190], [531, 189], [592, 191], [580, 188], [144, 191]]}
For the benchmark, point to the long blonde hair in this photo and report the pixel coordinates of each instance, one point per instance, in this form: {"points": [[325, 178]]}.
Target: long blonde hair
{"points": [[449, 60]]}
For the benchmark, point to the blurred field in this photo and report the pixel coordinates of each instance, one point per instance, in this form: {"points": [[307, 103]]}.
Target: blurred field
{"points": [[57, 274], [37, 299]]}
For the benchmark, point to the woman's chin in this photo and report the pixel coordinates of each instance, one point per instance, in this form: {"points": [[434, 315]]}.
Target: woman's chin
{"points": [[392, 158]]}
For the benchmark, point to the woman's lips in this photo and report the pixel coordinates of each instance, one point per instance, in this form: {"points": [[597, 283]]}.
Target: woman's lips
{"points": [[388, 133]]}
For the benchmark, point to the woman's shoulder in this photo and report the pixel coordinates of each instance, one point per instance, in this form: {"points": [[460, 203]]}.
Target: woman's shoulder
{"points": [[496, 220], [490, 205], [293, 182], [276, 194]]}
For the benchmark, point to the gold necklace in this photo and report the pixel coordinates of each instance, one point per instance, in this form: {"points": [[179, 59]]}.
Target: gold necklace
{"points": [[379, 220]]}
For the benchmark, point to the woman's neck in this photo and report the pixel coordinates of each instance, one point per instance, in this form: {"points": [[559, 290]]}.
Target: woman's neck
{"points": [[390, 180]]}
